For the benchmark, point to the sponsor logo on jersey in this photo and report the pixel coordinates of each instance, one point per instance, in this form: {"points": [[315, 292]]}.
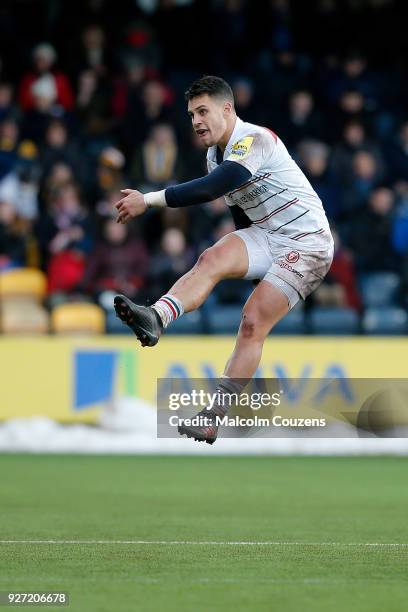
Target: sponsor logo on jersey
{"points": [[292, 256], [241, 149], [252, 195], [282, 264]]}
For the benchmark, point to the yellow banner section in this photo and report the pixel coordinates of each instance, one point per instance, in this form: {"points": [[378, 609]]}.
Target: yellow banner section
{"points": [[71, 378]]}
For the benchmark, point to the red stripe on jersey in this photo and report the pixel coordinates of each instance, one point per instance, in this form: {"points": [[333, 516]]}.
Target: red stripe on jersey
{"points": [[248, 183], [277, 210], [272, 132], [299, 236]]}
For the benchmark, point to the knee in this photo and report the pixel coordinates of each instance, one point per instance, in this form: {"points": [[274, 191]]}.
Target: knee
{"points": [[210, 261], [255, 324], [250, 324]]}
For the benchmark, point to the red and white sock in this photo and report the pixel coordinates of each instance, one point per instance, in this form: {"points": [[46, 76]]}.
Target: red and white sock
{"points": [[168, 308]]}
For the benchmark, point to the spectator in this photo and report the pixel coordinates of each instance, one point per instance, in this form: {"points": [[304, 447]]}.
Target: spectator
{"points": [[354, 139], [232, 290], [284, 75], [139, 119], [109, 173], [205, 221], [119, 263], [59, 175], [356, 76], [172, 260], [92, 106], [65, 238], [371, 233], [44, 58], [245, 104], [302, 121], [192, 154], [127, 90], [351, 107], [43, 109], [339, 287], [140, 44], [400, 229], [9, 137], [20, 187], [157, 164], [92, 53], [397, 155], [314, 158], [365, 176], [105, 206], [7, 108], [13, 241], [58, 148], [230, 28]]}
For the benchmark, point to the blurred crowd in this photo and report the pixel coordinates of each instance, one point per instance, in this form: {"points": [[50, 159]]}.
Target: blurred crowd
{"points": [[93, 103]]}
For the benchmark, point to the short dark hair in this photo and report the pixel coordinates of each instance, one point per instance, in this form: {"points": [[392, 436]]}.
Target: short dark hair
{"points": [[211, 85]]}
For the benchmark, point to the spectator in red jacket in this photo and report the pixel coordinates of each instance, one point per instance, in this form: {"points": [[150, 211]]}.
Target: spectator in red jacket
{"points": [[340, 285], [44, 58]]}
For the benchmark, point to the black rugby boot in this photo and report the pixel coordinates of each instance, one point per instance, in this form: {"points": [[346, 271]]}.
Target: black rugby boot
{"points": [[144, 321]]}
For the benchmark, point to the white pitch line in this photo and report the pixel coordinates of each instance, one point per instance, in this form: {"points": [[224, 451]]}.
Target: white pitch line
{"points": [[207, 543]]}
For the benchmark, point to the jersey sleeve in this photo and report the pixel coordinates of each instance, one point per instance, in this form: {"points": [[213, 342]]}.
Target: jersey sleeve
{"points": [[252, 151]]}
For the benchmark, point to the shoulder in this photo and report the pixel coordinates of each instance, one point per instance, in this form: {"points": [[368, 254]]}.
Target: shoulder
{"points": [[253, 138], [262, 132]]}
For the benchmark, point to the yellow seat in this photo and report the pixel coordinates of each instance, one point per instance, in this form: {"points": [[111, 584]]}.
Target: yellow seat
{"points": [[23, 317], [23, 283], [78, 317]]}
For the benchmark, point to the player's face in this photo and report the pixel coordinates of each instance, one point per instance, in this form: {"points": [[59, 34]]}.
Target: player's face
{"points": [[209, 117]]}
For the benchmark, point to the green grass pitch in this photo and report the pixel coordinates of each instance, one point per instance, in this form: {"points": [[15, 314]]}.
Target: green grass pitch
{"points": [[313, 515]]}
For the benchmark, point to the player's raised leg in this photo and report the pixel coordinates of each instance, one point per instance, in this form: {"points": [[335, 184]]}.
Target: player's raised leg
{"points": [[228, 258]]}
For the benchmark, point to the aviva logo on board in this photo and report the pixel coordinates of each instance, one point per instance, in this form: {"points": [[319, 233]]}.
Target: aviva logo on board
{"points": [[99, 375]]}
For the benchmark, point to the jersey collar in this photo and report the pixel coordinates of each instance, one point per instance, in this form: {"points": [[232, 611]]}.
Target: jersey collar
{"points": [[234, 136], [212, 151]]}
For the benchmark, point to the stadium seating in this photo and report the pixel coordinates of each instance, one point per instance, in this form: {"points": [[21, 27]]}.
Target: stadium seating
{"points": [[224, 319], [189, 323], [78, 317], [21, 291], [336, 321], [114, 325], [386, 320], [23, 317], [379, 288], [292, 323], [23, 283]]}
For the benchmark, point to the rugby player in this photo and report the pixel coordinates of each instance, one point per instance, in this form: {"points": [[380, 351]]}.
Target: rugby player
{"points": [[282, 238]]}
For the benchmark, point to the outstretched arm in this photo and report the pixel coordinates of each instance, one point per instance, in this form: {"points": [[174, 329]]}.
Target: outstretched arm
{"points": [[225, 178]]}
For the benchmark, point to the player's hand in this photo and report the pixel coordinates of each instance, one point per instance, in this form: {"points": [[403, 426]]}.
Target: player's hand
{"points": [[131, 205]]}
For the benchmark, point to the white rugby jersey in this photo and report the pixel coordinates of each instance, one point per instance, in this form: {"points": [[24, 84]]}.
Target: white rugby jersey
{"points": [[278, 197]]}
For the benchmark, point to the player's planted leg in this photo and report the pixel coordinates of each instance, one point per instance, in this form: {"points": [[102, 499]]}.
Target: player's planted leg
{"points": [[206, 429], [265, 307], [228, 258]]}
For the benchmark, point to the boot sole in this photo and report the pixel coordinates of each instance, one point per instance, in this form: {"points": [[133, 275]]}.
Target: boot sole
{"points": [[185, 431], [122, 303]]}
